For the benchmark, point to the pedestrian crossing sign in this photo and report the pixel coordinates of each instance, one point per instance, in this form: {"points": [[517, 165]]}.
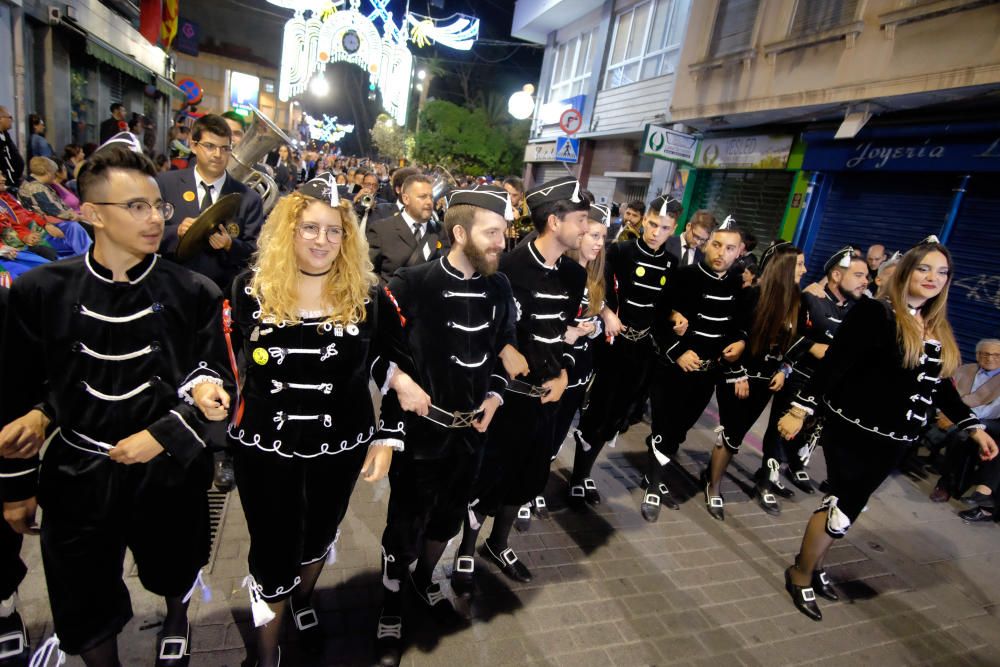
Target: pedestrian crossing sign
{"points": [[567, 149]]}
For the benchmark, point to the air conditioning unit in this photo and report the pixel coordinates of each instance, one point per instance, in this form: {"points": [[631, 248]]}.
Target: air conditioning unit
{"points": [[55, 15]]}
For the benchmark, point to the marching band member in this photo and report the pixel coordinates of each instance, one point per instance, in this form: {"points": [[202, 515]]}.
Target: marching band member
{"points": [[133, 362], [707, 294], [881, 378], [311, 321]]}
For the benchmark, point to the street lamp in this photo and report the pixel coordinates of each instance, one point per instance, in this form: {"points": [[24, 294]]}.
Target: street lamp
{"points": [[320, 87], [521, 104], [422, 74]]}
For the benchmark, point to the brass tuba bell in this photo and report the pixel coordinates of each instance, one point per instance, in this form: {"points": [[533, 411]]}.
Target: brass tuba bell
{"points": [[261, 138]]}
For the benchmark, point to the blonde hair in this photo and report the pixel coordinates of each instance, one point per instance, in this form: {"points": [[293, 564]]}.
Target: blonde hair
{"points": [[40, 166], [909, 333], [276, 274], [595, 277]]}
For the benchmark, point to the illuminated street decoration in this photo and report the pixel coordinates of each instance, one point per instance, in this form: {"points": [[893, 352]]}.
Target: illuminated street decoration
{"points": [[327, 129], [334, 32]]}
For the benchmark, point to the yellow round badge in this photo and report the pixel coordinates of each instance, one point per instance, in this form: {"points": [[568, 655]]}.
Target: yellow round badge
{"points": [[188, 196], [663, 280], [640, 271], [261, 356]]}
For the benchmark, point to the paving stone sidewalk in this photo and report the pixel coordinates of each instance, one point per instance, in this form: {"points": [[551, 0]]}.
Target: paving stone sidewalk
{"points": [[919, 586]]}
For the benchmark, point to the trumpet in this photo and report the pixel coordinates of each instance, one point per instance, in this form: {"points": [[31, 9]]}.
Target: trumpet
{"points": [[367, 201]]}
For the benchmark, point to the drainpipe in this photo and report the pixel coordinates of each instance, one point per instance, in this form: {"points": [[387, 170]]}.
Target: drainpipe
{"points": [[956, 203], [20, 106]]}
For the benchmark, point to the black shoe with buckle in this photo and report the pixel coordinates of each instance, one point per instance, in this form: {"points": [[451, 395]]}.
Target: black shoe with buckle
{"points": [[14, 646], [801, 480], [508, 563], [225, 476], [577, 497], [590, 493], [437, 603], [541, 508], [310, 632], [780, 490], [523, 520], [650, 506], [715, 505], [173, 651], [767, 501], [388, 639], [823, 586], [803, 597], [462, 576]]}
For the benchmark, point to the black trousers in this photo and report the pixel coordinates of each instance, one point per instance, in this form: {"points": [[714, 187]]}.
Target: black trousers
{"points": [[737, 415], [429, 497], [857, 462], [12, 568], [962, 466], [518, 453], [621, 380], [677, 400], [93, 509], [293, 508], [570, 402]]}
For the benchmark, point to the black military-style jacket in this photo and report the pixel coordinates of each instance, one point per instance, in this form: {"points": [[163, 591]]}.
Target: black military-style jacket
{"points": [[715, 308], [105, 360], [306, 383], [861, 380], [819, 320], [635, 276], [547, 299]]}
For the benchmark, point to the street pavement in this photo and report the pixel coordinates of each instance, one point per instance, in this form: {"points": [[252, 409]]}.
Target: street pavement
{"points": [[918, 585]]}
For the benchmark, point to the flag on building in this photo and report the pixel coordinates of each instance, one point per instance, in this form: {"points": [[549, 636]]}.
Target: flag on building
{"points": [[150, 19], [169, 29]]}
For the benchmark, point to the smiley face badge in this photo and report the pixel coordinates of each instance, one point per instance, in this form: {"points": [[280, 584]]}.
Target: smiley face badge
{"points": [[260, 356]]}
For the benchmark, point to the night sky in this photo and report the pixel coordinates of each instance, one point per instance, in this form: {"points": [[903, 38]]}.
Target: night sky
{"points": [[257, 25]]}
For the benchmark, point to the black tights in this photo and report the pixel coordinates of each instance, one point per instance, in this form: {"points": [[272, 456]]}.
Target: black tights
{"points": [[175, 624], [269, 634], [499, 535]]}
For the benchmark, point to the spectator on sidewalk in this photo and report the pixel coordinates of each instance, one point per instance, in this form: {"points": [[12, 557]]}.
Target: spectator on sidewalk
{"points": [[61, 187], [38, 145], [11, 162], [115, 124], [47, 235]]}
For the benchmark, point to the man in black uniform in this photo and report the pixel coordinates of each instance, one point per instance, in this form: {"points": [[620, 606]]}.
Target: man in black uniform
{"points": [[548, 289], [636, 272], [707, 295], [133, 366], [410, 237], [820, 317], [458, 314]]}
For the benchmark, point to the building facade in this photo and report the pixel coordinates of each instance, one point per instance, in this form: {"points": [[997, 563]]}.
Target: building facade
{"points": [[69, 61], [875, 121], [614, 61]]}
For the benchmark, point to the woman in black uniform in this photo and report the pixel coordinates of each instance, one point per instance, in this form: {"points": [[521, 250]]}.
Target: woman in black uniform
{"points": [[311, 322], [879, 384]]}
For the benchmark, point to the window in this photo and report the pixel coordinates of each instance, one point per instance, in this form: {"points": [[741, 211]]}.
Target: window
{"points": [[819, 15], [733, 27], [646, 42], [571, 67]]}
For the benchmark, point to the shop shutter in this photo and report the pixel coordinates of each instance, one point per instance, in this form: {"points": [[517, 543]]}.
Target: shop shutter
{"points": [[897, 210], [756, 199], [974, 299], [548, 171]]}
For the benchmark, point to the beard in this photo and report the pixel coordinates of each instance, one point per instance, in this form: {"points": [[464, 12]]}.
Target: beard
{"points": [[484, 264]]}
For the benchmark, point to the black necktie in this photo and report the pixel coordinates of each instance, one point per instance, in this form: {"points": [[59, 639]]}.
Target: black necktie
{"points": [[206, 201], [689, 256], [417, 231]]}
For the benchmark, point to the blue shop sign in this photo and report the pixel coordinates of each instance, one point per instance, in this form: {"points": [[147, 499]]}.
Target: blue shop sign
{"points": [[941, 148]]}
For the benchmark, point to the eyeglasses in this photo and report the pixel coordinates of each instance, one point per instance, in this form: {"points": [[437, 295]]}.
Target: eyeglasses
{"points": [[141, 210], [989, 355], [310, 232], [212, 148]]}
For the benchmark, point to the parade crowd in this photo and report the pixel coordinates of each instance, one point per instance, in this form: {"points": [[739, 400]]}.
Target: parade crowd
{"points": [[370, 326]]}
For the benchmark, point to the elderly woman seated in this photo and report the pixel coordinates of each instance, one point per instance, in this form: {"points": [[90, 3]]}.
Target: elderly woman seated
{"points": [[52, 213], [48, 237]]}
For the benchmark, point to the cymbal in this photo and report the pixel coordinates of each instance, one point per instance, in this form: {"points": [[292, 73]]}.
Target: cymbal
{"points": [[196, 238]]}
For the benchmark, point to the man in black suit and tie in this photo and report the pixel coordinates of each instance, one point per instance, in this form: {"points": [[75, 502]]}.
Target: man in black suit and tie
{"points": [[687, 247], [410, 237], [194, 189], [112, 126], [391, 207]]}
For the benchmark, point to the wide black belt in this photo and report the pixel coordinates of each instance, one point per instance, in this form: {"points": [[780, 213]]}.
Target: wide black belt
{"points": [[452, 419], [522, 387]]}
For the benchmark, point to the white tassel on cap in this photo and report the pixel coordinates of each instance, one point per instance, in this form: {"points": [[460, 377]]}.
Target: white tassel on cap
{"points": [[576, 193], [259, 609], [930, 239], [728, 223], [127, 139], [845, 259], [49, 648], [508, 212]]}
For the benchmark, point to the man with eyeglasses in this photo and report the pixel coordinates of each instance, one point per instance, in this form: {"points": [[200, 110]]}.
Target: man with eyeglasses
{"points": [[190, 191], [11, 161], [133, 370], [979, 386], [687, 247]]}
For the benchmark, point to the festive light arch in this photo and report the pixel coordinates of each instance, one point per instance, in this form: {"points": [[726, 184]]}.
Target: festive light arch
{"points": [[332, 33]]}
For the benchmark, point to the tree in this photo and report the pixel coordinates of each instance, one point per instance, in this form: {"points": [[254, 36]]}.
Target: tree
{"points": [[470, 140], [390, 139]]}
